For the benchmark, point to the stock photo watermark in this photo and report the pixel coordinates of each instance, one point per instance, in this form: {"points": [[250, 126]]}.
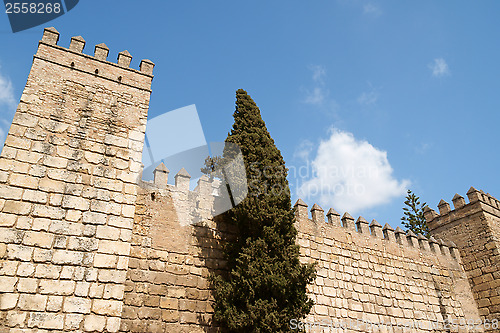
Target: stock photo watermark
{"points": [[366, 325], [24, 15]]}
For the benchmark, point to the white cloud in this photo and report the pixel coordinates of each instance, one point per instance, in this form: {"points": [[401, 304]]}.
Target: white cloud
{"points": [[7, 106], [303, 150], [317, 94], [368, 98], [319, 73], [350, 175], [371, 9], [439, 68], [6, 92], [423, 148]]}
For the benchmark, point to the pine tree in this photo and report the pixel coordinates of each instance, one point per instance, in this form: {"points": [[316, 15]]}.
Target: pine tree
{"points": [[413, 218], [266, 285]]}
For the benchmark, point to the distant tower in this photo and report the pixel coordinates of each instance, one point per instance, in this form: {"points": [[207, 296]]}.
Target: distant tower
{"points": [[68, 175], [475, 229]]}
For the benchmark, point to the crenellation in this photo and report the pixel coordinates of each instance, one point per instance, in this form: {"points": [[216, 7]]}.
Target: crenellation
{"points": [[77, 44], [301, 209], [95, 65], [362, 226], [333, 217], [389, 233], [430, 214], [473, 195], [101, 52], [50, 36], [423, 242], [146, 66], [348, 221], [376, 229], [412, 239], [124, 59], [161, 176], [445, 250], [317, 214], [444, 207], [182, 179], [458, 201], [87, 246], [434, 245]]}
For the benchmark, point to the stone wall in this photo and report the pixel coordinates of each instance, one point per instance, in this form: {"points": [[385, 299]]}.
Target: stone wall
{"points": [[475, 228], [174, 249], [68, 175], [369, 273], [85, 245]]}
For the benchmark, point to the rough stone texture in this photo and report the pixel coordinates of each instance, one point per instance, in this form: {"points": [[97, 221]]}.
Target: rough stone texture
{"points": [[86, 246], [475, 229], [75, 144], [363, 277], [167, 288]]}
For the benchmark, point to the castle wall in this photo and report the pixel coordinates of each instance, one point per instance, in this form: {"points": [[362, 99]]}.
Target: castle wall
{"points": [[85, 245], [378, 275], [68, 174], [475, 229], [172, 255]]}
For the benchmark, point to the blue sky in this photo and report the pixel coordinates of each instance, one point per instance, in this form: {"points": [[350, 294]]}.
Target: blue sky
{"points": [[365, 98]]}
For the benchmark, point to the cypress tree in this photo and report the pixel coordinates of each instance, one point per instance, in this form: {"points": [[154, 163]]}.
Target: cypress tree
{"points": [[265, 287]]}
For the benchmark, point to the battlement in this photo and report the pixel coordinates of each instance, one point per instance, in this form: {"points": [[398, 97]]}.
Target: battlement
{"points": [[475, 228], [206, 200], [87, 246], [374, 230], [479, 201], [97, 65]]}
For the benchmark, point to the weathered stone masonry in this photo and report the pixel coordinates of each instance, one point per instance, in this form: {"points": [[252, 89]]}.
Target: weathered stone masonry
{"points": [[85, 245], [68, 174], [475, 228]]}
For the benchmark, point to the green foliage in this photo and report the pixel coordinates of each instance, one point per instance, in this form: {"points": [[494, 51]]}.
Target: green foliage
{"points": [[413, 218], [266, 284]]}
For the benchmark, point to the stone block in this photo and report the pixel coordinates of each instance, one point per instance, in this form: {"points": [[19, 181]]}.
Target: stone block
{"points": [[54, 303], [32, 302], [94, 323], [113, 247], [47, 271], [38, 238], [107, 307], [27, 285], [72, 321], [77, 305], [107, 232], [57, 287], [46, 321], [8, 301], [63, 257], [19, 252]]}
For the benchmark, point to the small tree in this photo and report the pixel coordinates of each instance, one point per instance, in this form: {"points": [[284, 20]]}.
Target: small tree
{"points": [[413, 218]]}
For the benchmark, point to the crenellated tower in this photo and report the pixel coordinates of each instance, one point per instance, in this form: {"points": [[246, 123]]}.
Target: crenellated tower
{"points": [[68, 185], [475, 228]]}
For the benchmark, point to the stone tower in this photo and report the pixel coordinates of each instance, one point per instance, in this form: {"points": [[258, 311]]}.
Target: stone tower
{"points": [[68, 175], [475, 228]]}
